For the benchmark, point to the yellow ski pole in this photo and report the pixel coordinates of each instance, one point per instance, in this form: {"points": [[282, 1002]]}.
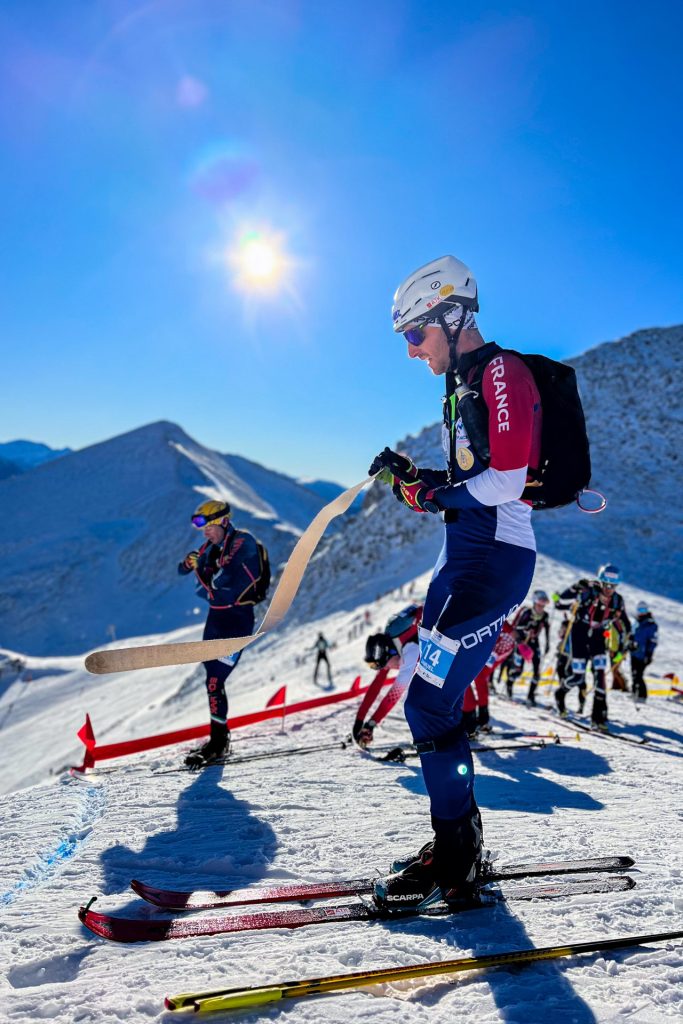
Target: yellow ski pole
{"points": [[241, 998]]}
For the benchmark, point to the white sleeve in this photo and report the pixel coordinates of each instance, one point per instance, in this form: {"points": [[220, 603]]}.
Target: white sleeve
{"points": [[496, 486], [409, 659]]}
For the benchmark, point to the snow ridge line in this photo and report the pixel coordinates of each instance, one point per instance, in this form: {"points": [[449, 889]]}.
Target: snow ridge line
{"points": [[47, 864]]}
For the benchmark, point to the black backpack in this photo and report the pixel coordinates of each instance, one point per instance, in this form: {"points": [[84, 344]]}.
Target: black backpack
{"points": [[565, 464], [261, 586], [258, 591]]}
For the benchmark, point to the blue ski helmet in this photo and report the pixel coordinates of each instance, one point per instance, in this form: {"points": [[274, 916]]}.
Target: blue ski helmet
{"points": [[609, 574], [642, 608]]}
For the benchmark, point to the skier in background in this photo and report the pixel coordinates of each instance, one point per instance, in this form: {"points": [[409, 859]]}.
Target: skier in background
{"points": [[528, 625], [643, 648], [618, 646], [598, 606], [321, 648], [232, 574], [482, 575], [396, 649]]}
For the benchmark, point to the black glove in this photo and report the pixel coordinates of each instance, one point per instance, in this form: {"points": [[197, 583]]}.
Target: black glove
{"points": [[400, 466], [366, 734], [357, 729]]}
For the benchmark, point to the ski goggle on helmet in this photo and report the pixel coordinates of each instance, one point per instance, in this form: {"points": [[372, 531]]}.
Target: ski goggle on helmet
{"points": [[211, 513], [443, 290], [609, 575], [642, 608]]}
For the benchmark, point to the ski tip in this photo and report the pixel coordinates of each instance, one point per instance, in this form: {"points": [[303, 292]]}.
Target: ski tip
{"points": [[95, 663]]}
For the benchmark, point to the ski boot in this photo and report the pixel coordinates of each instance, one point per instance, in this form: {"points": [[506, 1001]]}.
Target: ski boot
{"points": [[216, 749], [426, 851], [469, 721], [531, 696], [599, 713], [446, 873], [560, 695], [483, 722]]}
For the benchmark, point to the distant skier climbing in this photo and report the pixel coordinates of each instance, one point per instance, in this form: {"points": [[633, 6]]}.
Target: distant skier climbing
{"points": [[643, 646], [595, 607], [321, 647], [529, 623]]}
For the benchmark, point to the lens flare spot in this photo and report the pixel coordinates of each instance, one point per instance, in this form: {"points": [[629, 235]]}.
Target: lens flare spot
{"points": [[462, 769], [258, 261]]}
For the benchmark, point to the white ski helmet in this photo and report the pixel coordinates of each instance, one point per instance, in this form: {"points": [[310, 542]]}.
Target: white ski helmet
{"points": [[432, 291]]}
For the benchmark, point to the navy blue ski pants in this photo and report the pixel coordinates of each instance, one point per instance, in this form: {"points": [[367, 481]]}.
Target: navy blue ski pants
{"points": [[222, 623], [473, 590]]}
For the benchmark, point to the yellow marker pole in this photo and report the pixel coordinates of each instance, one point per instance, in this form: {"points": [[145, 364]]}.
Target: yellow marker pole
{"points": [[240, 998]]}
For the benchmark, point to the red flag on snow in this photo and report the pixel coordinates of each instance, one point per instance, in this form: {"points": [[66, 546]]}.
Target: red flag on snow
{"points": [[86, 734], [278, 698]]}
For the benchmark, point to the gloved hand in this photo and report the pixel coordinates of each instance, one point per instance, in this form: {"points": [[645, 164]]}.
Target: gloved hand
{"points": [[618, 657], [191, 559], [417, 496], [357, 729], [555, 597], [366, 734], [399, 466]]}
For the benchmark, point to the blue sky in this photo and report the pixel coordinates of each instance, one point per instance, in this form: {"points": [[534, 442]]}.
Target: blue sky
{"points": [[539, 142]]}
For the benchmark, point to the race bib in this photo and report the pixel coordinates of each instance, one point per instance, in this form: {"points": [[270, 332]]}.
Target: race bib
{"points": [[436, 659]]}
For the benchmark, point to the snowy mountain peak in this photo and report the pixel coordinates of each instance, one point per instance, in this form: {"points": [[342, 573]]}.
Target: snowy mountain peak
{"points": [[98, 556]]}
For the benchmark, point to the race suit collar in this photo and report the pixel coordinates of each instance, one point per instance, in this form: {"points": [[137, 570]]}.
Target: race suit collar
{"points": [[469, 360]]}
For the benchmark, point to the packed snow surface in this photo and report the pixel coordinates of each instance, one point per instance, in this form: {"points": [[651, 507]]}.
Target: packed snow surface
{"points": [[331, 815]]}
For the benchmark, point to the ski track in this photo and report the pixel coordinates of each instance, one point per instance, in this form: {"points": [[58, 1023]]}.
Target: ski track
{"points": [[331, 815], [89, 805]]}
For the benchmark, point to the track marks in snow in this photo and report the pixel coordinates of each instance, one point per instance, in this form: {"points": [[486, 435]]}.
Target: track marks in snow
{"points": [[42, 865]]}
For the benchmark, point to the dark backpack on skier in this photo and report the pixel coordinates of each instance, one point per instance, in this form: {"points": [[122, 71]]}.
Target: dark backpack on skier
{"points": [[565, 465], [258, 591], [261, 586]]}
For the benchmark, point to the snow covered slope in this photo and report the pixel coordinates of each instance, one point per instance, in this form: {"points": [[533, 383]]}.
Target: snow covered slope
{"points": [[91, 541], [332, 815]]}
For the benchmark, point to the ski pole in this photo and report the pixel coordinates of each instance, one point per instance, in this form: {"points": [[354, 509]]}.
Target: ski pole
{"points": [[257, 995]]}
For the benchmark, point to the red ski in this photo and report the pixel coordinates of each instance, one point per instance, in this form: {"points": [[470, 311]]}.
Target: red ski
{"points": [[121, 929], [199, 899]]}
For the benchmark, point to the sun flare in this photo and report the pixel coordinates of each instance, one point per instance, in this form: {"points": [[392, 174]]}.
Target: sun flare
{"points": [[258, 261]]}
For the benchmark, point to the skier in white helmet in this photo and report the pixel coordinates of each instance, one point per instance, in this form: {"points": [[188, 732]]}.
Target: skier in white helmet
{"points": [[485, 568]]}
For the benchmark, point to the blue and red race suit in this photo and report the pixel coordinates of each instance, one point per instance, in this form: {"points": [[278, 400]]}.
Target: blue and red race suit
{"points": [[483, 573], [226, 574]]}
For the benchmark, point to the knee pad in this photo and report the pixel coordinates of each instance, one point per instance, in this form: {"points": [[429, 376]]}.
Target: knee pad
{"points": [[600, 661]]}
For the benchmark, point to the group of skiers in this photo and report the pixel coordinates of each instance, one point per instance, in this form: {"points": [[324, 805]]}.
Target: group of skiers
{"points": [[514, 440], [519, 645]]}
